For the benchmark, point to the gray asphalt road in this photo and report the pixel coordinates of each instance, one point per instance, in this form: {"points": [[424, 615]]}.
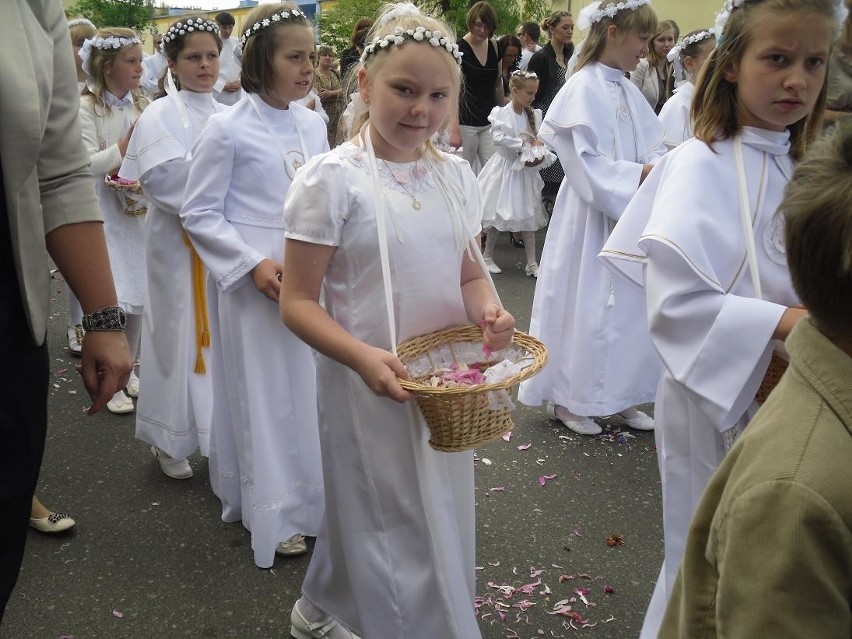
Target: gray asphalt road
{"points": [[150, 557]]}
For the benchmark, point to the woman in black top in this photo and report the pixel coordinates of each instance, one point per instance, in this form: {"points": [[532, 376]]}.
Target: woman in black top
{"points": [[482, 87], [350, 56], [549, 64]]}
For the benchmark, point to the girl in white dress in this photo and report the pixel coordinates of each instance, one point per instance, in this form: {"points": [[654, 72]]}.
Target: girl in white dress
{"points": [[109, 107], [510, 181], [688, 57], [80, 30], [395, 553], [607, 139], [174, 410], [715, 304], [268, 459]]}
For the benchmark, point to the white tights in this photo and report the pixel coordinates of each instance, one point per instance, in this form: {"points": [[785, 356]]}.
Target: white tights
{"points": [[491, 235]]}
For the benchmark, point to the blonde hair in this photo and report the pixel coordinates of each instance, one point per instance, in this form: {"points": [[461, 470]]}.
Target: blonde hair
{"points": [[715, 103], [817, 209], [641, 20], [372, 65], [257, 74], [81, 31], [517, 81], [100, 60]]}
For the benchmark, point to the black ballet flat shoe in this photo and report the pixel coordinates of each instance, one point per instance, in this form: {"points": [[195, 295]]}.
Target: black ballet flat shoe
{"points": [[517, 243]]}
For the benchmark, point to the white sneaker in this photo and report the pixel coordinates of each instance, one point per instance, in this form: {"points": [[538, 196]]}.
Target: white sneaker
{"points": [[326, 628], [132, 387], [637, 419], [578, 424], [491, 266], [172, 467], [531, 270], [75, 339], [292, 547], [120, 404]]}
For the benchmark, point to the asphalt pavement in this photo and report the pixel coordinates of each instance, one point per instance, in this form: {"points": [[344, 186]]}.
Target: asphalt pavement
{"points": [[569, 532]]}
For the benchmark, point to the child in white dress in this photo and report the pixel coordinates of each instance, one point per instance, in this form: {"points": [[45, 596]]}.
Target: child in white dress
{"points": [[395, 553], [718, 296], [174, 410], [80, 30], [109, 107], [510, 181], [607, 138], [242, 166], [688, 58]]}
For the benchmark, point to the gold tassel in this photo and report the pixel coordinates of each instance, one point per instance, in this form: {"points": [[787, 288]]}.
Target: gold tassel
{"points": [[199, 298]]}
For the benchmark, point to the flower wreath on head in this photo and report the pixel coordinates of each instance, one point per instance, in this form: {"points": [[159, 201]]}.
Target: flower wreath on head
{"points": [[76, 22], [593, 12], [840, 14], [419, 34], [526, 75], [675, 54], [104, 44], [260, 25], [188, 26]]}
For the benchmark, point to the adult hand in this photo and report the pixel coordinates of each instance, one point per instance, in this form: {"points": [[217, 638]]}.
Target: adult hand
{"points": [[106, 365], [266, 277], [231, 87]]}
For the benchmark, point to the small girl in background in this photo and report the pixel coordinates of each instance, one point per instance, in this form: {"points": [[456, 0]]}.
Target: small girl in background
{"points": [[688, 58], [395, 553], [109, 106], [703, 238], [242, 166], [607, 138], [80, 30], [510, 182], [174, 411]]}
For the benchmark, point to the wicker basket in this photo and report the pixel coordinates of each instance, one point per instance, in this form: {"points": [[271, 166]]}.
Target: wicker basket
{"points": [[776, 370], [130, 195], [462, 418]]}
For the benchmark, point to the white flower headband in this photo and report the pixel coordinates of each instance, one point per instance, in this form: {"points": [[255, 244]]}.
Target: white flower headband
{"points": [[675, 54], [420, 34], [99, 42], [76, 22], [291, 14], [840, 14], [190, 25], [526, 75], [592, 13]]}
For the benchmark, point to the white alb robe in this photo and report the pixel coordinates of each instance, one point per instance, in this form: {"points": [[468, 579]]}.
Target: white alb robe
{"points": [[681, 238], [511, 191], [675, 115], [229, 71], [234, 214], [395, 553], [175, 404], [125, 235], [600, 356]]}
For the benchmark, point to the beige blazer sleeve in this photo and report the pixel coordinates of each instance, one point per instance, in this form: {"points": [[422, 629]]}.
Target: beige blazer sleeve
{"points": [[45, 167]]}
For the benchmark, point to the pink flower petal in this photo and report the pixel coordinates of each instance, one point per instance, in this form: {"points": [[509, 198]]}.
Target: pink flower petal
{"points": [[524, 446]]}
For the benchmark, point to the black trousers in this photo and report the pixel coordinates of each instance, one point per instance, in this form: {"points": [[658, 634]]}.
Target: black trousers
{"points": [[23, 419]]}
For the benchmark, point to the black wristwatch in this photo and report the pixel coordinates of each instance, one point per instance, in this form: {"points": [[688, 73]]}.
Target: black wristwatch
{"points": [[111, 318]]}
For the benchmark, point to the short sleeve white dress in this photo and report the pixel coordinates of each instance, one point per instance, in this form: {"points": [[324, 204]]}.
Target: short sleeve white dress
{"points": [[395, 553]]}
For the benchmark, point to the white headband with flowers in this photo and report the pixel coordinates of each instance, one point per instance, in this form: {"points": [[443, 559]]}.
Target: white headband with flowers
{"points": [[526, 75], [76, 22], [260, 25], [99, 42], [674, 55], [419, 34], [188, 26], [593, 12], [840, 14]]}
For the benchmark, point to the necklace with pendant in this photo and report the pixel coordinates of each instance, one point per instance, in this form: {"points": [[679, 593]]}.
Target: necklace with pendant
{"points": [[404, 177]]}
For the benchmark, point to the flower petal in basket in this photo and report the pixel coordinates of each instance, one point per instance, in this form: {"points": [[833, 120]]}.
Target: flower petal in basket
{"points": [[461, 418]]}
